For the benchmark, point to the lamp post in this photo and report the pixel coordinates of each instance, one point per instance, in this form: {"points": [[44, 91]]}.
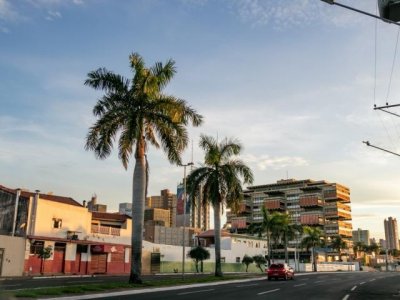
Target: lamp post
{"points": [[184, 217]]}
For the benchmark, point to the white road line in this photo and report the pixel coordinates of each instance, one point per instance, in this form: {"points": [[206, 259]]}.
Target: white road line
{"points": [[361, 283], [319, 281], [270, 291], [85, 281], [201, 291], [353, 288], [372, 280], [299, 284], [305, 279], [244, 285], [1, 285], [346, 297]]}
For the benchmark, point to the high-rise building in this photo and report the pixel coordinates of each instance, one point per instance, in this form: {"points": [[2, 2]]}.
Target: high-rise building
{"points": [[166, 200], [391, 233], [361, 236], [308, 202], [125, 209], [197, 214]]}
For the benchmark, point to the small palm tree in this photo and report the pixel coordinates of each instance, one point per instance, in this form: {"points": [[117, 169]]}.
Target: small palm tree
{"points": [[260, 261], [218, 181], [138, 114], [199, 254], [247, 260], [312, 240], [44, 254]]}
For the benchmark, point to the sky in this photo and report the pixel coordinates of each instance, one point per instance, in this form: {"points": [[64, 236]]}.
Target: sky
{"points": [[294, 81]]}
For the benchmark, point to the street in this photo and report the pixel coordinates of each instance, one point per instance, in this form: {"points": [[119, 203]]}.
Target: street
{"points": [[338, 286], [342, 286]]}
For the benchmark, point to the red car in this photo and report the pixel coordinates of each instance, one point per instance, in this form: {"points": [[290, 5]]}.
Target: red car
{"points": [[280, 271]]}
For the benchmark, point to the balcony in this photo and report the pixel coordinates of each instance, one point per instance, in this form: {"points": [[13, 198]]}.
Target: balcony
{"points": [[311, 219], [274, 204], [108, 230], [310, 201]]}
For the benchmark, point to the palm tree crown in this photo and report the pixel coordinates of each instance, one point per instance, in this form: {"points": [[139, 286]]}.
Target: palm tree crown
{"points": [[219, 182], [136, 113]]}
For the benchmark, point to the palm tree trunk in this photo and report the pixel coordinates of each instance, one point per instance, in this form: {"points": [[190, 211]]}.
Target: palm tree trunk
{"points": [[138, 199], [314, 259], [286, 248], [217, 239]]}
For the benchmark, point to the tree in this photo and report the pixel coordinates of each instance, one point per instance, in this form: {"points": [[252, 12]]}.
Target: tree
{"points": [[260, 261], [312, 240], [269, 227], [338, 244], [44, 253], [138, 114], [219, 182], [291, 232], [199, 254], [247, 260]]}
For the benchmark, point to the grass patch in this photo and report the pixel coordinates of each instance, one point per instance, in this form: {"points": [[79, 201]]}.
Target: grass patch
{"points": [[110, 286]]}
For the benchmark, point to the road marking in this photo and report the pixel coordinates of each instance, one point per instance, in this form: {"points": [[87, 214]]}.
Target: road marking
{"points": [[244, 285], [9, 285], [372, 280], [346, 297], [319, 281], [270, 291], [361, 283], [353, 288], [202, 291], [305, 279], [85, 281], [299, 284]]}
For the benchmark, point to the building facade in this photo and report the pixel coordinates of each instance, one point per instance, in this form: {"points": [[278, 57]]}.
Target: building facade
{"points": [[81, 241], [312, 203], [361, 236], [166, 200], [391, 233]]}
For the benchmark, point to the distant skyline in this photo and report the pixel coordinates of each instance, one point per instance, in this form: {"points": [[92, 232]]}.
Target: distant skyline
{"points": [[294, 81]]}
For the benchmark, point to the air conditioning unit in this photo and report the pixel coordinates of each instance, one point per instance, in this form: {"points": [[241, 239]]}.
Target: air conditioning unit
{"points": [[74, 237]]}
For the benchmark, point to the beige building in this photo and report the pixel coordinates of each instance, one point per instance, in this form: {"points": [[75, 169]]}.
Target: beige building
{"points": [[166, 200], [391, 233], [313, 203], [161, 216]]}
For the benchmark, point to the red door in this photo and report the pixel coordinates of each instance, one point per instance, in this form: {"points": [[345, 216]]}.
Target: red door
{"points": [[98, 263]]}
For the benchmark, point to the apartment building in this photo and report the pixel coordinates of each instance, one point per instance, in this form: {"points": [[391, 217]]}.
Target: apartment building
{"points": [[308, 202], [361, 236], [391, 233], [166, 200]]}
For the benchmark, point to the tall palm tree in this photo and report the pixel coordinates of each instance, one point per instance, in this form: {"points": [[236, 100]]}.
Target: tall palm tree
{"points": [[271, 228], [312, 240], [137, 113], [219, 182]]}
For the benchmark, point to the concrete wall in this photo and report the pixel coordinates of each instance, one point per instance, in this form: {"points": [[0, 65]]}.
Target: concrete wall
{"points": [[13, 259]]}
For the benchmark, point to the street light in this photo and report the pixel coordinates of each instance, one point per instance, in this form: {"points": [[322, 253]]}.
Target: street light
{"points": [[184, 217]]}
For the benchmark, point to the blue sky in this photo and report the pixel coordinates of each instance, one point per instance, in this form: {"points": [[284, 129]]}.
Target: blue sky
{"points": [[294, 81]]}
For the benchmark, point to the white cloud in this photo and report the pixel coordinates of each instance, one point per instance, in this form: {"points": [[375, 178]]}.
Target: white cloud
{"points": [[52, 15], [265, 161], [7, 12]]}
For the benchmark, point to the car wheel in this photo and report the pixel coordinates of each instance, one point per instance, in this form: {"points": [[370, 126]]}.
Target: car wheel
{"points": [[285, 278], [269, 278]]}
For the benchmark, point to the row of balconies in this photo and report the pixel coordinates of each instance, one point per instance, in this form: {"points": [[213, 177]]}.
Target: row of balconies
{"points": [[105, 230]]}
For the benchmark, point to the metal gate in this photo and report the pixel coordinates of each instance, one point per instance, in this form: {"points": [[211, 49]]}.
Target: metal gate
{"points": [[155, 263]]}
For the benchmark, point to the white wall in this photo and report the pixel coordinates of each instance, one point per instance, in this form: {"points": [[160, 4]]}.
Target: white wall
{"points": [[13, 259]]}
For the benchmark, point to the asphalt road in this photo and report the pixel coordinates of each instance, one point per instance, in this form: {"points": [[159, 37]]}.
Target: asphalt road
{"points": [[325, 286], [342, 286]]}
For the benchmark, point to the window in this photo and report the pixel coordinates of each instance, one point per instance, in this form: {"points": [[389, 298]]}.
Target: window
{"points": [[222, 259], [36, 247], [57, 223], [238, 259]]}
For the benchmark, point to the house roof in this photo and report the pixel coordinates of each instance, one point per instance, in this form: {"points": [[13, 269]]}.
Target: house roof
{"points": [[210, 233], [109, 216], [54, 198]]}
